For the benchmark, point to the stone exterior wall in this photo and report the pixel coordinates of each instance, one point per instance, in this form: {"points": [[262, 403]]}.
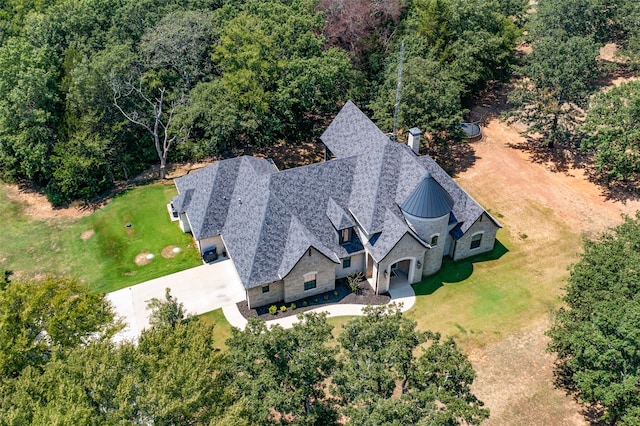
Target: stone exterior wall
{"points": [[407, 248], [357, 265], [255, 296], [311, 261], [488, 228]]}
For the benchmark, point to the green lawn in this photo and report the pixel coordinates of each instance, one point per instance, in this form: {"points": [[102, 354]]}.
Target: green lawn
{"points": [[106, 260], [482, 298], [222, 326]]}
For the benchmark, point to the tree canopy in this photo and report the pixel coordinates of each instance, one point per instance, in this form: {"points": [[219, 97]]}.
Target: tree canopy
{"points": [[93, 91], [612, 132], [452, 48], [596, 335]]}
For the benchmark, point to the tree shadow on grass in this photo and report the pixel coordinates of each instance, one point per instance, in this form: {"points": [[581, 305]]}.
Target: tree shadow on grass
{"points": [[457, 271]]}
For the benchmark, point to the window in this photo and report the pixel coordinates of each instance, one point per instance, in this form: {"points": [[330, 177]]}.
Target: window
{"points": [[346, 262], [345, 235], [475, 241], [309, 281], [434, 241], [265, 289]]}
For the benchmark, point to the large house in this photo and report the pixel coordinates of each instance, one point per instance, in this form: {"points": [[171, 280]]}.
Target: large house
{"points": [[377, 208]]}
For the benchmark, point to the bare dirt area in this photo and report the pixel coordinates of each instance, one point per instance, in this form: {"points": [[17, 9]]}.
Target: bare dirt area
{"points": [[170, 251], [37, 206], [515, 378], [539, 204], [87, 234], [143, 258], [507, 174]]}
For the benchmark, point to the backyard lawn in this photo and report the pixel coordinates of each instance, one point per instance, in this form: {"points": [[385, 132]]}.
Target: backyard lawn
{"points": [[99, 249]]}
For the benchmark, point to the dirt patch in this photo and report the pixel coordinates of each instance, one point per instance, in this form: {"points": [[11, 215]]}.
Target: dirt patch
{"points": [[87, 234], [169, 251], [143, 258], [36, 205], [537, 204], [515, 379]]}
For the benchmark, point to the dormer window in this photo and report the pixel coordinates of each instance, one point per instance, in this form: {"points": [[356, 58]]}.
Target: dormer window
{"points": [[344, 235]]}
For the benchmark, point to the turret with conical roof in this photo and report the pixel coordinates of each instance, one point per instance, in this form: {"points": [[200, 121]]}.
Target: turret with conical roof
{"points": [[427, 210], [428, 200]]}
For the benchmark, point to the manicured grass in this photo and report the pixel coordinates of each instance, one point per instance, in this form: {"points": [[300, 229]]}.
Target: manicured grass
{"points": [[106, 260], [222, 327], [482, 298]]}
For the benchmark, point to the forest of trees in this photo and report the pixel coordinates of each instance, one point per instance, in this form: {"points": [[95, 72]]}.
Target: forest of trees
{"points": [[94, 91], [59, 366], [596, 335]]}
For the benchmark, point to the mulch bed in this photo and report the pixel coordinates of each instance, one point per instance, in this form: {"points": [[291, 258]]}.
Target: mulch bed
{"points": [[366, 296]]}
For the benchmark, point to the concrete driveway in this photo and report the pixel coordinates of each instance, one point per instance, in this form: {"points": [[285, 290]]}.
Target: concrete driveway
{"points": [[201, 289]]}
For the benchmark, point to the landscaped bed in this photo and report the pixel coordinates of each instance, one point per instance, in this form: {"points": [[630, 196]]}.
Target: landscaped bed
{"points": [[341, 295]]}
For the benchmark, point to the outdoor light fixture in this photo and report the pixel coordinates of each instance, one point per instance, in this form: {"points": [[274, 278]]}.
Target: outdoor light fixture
{"points": [[386, 273], [419, 264]]}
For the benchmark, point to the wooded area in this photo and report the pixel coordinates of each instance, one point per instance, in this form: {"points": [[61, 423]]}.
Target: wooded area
{"points": [[92, 91]]}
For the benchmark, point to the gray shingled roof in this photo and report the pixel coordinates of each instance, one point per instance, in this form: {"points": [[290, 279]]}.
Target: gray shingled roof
{"points": [[352, 133], [268, 219], [428, 200]]}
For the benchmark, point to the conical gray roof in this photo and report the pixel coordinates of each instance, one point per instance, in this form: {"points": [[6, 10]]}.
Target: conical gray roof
{"points": [[428, 200]]}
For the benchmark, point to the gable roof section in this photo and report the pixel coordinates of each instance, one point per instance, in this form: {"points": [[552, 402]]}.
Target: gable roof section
{"points": [[352, 133], [338, 217], [394, 229], [206, 194]]}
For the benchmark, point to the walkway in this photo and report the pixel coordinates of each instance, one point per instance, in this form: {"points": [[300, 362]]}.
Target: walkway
{"points": [[214, 286], [401, 293]]}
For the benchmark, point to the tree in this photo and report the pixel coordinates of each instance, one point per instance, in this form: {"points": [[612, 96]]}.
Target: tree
{"points": [[557, 80], [595, 336], [282, 373], [39, 317], [145, 98], [174, 375], [28, 110], [380, 361], [431, 99], [361, 27], [613, 132], [577, 18], [168, 312], [452, 48]]}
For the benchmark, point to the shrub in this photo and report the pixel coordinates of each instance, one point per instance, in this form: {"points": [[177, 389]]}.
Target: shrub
{"points": [[293, 306], [283, 308], [304, 303], [353, 281], [273, 309], [335, 293], [315, 300], [326, 297]]}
